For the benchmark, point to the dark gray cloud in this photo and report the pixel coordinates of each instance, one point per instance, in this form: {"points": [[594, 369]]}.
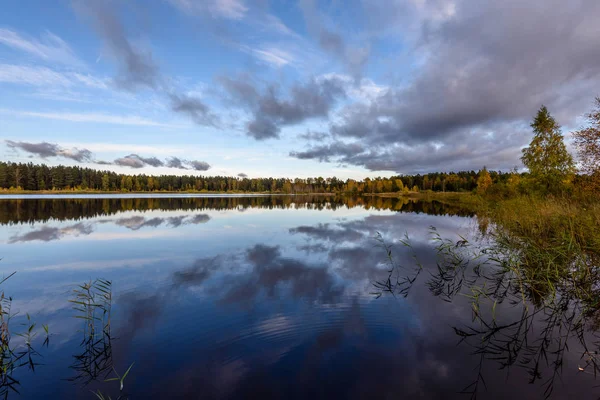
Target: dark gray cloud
{"points": [[456, 72], [271, 110], [136, 68], [262, 128], [176, 162], [137, 222], [486, 68], [313, 248], [314, 136], [43, 149], [200, 271], [242, 175], [329, 232], [241, 90], [354, 58], [136, 161], [46, 150], [199, 219], [193, 107], [200, 165], [47, 233], [327, 152], [270, 270]]}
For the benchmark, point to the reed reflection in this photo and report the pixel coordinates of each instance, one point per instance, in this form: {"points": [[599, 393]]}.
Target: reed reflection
{"points": [[519, 319]]}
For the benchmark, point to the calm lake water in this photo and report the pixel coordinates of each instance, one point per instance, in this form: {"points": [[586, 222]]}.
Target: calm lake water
{"points": [[254, 297]]}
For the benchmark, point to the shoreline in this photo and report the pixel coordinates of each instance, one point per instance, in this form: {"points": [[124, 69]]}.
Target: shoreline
{"points": [[88, 192], [411, 195]]}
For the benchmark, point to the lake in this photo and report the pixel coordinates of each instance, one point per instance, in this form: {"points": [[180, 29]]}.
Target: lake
{"points": [[219, 297]]}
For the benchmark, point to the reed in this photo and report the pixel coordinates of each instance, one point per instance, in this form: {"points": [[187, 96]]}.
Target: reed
{"points": [[540, 255], [14, 357]]}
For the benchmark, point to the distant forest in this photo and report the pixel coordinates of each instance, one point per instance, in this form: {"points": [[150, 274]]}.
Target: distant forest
{"points": [[32, 177]]}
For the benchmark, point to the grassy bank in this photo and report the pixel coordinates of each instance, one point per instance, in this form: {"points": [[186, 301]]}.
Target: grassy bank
{"points": [[551, 236]]}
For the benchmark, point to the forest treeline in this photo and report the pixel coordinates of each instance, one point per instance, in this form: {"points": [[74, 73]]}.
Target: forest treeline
{"points": [[551, 168], [33, 177]]}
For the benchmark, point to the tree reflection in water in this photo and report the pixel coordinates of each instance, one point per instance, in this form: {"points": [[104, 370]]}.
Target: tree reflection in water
{"points": [[27, 211]]}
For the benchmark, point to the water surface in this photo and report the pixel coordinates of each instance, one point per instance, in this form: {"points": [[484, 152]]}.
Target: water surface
{"points": [[251, 297]]}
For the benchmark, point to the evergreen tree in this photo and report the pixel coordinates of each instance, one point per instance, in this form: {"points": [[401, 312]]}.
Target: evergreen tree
{"points": [[547, 158], [105, 182]]}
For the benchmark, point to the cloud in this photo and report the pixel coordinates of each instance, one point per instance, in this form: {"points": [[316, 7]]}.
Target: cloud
{"points": [[262, 128], [176, 162], [136, 67], [341, 150], [314, 136], [335, 234], [497, 147], [242, 175], [200, 165], [47, 233], [270, 110], [199, 219], [133, 120], [480, 72], [200, 271], [49, 48], [194, 108], [43, 76], [136, 161], [227, 9], [270, 272], [353, 57], [271, 55], [45, 150], [138, 222]]}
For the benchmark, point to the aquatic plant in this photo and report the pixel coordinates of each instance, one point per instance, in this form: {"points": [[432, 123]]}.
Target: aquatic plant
{"points": [[118, 378], [556, 289], [92, 302], [14, 357]]}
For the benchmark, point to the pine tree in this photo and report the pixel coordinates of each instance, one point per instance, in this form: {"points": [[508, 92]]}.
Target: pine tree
{"points": [[105, 182], [547, 158]]}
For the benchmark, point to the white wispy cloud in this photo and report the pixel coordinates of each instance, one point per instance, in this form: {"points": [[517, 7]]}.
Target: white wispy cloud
{"points": [[128, 148], [271, 55], [43, 76], [275, 24], [228, 9], [36, 76], [90, 117], [103, 264], [49, 48]]}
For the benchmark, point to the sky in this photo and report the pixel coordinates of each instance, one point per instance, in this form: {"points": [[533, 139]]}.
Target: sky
{"points": [[278, 88]]}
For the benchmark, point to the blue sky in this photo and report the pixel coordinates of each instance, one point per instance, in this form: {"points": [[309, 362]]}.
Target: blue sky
{"points": [[290, 88]]}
